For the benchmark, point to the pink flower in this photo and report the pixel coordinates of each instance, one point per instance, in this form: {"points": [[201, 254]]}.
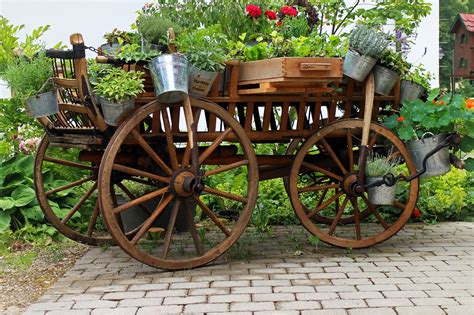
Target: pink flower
{"points": [[279, 23], [253, 11], [290, 11], [271, 15]]}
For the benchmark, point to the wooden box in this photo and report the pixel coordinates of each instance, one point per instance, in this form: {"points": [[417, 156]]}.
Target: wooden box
{"points": [[288, 75]]}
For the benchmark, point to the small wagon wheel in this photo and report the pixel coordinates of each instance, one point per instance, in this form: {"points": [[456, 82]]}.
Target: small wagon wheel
{"points": [[68, 203], [213, 193], [331, 197]]}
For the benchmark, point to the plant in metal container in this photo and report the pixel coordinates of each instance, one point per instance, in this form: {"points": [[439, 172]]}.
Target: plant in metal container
{"points": [[30, 80], [415, 83], [388, 71], [204, 49], [366, 45], [377, 167], [115, 40], [154, 32], [117, 91]]}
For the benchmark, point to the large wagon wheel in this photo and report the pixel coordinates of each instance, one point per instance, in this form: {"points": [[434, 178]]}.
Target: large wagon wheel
{"points": [[331, 197], [69, 202], [212, 192]]}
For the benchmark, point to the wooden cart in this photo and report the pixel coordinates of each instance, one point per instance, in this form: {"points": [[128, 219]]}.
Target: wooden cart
{"points": [[175, 184]]}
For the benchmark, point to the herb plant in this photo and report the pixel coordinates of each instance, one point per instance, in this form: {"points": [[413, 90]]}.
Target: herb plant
{"points": [[419, 76], [378, 165], [154, 28], [119, 85], [118, 36], [134, 53], [367, 41], [393, 60]]}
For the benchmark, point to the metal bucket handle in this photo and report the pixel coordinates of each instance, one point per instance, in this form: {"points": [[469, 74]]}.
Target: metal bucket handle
{"points": [[426, 133], [49, 80]]}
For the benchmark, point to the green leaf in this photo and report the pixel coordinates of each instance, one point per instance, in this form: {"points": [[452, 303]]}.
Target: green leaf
{"points": [[5, 219], [6, 203], [32, 214], [467, 144], [23, 195], [470, 164], [406, 133], [433, 94]]}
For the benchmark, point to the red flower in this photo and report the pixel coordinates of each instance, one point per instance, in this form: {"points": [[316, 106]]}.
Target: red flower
{"points": [[443, 103], [470, 103], [253, 11], [279, 23], [290, 11], [416, 213], [400, 119], [435, 103], [271, 15]]}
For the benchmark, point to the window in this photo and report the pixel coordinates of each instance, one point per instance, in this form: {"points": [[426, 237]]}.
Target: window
{"points": [[463, 39], [463, 63]]}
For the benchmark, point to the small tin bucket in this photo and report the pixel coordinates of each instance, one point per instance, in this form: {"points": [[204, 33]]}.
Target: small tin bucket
{"points": [[356, 66], [385, 80], [438, 163], [170, 77], [201, 81], [381, 195], [410, 91], [43, 104], [113, 110]]}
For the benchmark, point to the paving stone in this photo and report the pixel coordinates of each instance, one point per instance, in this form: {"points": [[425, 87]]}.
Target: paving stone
{"points": [[338, 303], [361, 295], [141, 302], [457, 310], [294, 289], [117, 296], [79, 297], [95, 304], [389, 302], [273, 297], [115, 311], [434, 301], [372, 311], [189, 285], [230, 284], [417, 310], [325, 312], [110, 288], [50, 306], [165, 293], [162, 309], [227, 298], [185, 300], [335, 288], [404, 294], [206, 308], [316, 296], [289, 276], [447, 293], [285, 312], [69, 312], [297, 305], [252, 306], [266, 283]]}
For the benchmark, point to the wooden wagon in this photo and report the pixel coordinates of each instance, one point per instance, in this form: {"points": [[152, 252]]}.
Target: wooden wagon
{"points": [[175, 184]]}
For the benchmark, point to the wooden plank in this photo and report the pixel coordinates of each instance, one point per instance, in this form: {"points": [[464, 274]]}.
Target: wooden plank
{"points": [[317, 112], [301, 115], [284, 116], [67, 83], [248, 116], [267, 115]]}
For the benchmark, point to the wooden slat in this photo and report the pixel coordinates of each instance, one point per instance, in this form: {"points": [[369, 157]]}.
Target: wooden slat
{"points": [[284, 116], [67, 83], [301, 115], [267, 115], [248, 116]]}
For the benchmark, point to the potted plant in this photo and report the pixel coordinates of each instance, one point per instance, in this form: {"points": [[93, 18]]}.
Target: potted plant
{"points": [[388, 71], [415, 83], [204, 49], [425, 124], [365, 47], [376, 168], [30, 80], [115, 40], [116, 92], [154, 32]]}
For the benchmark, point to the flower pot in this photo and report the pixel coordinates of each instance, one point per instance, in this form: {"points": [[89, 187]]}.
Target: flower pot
{"points": [[438, 163], [110, 49], [410, 91], [381, 195], [357, 66], [148, 47], [385, 79], [201, 81], [41, 105], [170, 77], [113, 110]]}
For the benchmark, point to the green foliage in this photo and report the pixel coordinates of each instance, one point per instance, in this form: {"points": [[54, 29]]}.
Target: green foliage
{"points": [[248, 51], [119, 85], [378, 165], [367, 41], [118, 36], [27, 77], [96, 71], [154, 28], [394, 61], [418, 75], [134, 53], [295, 26], [439, 114], [204, 48]]}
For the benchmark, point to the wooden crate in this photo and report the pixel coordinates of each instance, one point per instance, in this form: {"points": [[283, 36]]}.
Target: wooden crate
{"points": [[288, 75]]}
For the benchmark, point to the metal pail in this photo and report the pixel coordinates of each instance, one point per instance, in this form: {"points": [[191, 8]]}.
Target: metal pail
{"points": [[385, 79], [410, 91], [113, 110], [41, 105], [381, 195], [170, 77], [356, 66], [201, 81], [438, 163]]}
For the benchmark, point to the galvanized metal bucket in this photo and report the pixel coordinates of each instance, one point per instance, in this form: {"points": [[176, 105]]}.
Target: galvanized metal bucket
{"points": [[356, 66], [111, 49], [438, 163], [41, 105], [381, 195], [113, 110], [170, 77], [385, 79], [201, 81], [410, 91]]}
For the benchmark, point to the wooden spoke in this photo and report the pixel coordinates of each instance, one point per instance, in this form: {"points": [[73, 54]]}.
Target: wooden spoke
{"points": [[187, 151], [70, 185], [212, 216], [192, 227], [132, 196], [79, 203], [214, 145], [321, 170], [69, 163], [226, 168], [151, 152], [224, 194], [333, 155], [350, 149], [135, 172], [170, 228], [356, 218], [93, 220], [394, 155], [169, 140], [373, 209], [140, 200], [315, 188], [336, 220], [144, 182], [148, 222], [324, 205], [373, 140]]}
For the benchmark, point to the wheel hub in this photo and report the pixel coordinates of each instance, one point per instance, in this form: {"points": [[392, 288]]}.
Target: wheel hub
{"points": [[185, 183], [350, 185]]}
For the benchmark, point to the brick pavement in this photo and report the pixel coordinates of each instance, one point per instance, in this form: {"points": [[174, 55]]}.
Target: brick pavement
{"points": [[424, 269]]}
